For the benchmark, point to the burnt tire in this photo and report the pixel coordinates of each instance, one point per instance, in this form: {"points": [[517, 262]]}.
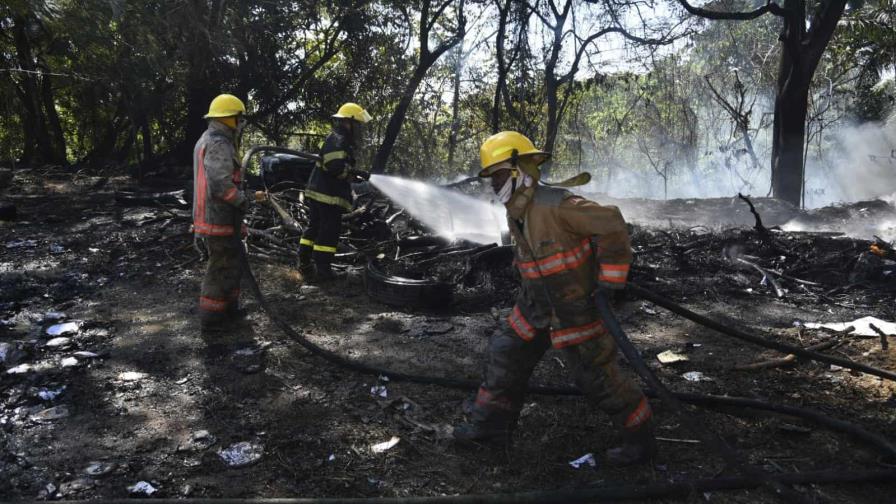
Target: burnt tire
{"points": [[406, 292]]}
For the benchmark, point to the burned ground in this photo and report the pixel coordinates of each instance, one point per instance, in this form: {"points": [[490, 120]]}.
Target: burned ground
{"points": [[153, 401]]}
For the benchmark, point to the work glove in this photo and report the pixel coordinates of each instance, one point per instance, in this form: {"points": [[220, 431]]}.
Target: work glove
{"points": [[359, 175]]}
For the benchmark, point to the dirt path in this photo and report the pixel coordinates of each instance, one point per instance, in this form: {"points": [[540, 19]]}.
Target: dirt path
{"points": [[158, 402]]}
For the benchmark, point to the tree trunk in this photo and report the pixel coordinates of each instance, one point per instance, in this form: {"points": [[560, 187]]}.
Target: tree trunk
{"points": [[550, 136], [56, 136], [397, 119], [38, 147], [791, 107]]}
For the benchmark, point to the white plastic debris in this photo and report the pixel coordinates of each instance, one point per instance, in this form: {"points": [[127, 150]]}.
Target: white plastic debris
{"points": [[131, 376], [50, 414], [586, 459], [68, 362], [861, 327], [331, 458], [50, 394], [5, 351], [21, 244], [142, 488], [64, 328], [20, 369], [379, 391], [97, 469], [384, 446], [695, 376], [53, 316], [86, 355], [671, 357], [60, 341], [241, 454]]}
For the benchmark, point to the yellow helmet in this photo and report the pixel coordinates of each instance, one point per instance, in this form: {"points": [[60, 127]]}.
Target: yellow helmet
{"points": [[508, 145], [225, 105], [353, 111]]}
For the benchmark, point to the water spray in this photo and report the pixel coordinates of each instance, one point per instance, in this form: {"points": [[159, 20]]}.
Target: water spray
{"points": [[447, 212]]}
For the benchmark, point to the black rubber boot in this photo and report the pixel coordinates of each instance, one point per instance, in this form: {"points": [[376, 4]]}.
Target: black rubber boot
{"points": [[467, 433], [214, 322], [306, 267], [637, 447], [234, 312], [323, 272]]}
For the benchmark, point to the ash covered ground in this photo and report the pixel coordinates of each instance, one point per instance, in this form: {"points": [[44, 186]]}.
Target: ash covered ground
{"points": [[129, 391]]}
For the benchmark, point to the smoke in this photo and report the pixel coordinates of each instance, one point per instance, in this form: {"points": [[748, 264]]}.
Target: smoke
{"points": [[859, 164]]}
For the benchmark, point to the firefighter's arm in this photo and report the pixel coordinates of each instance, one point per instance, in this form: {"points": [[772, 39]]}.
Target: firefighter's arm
{"points": [[219, 172], [586, 218]]}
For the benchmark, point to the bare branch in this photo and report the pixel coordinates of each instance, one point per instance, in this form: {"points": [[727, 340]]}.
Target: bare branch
{"points": [[769, 7]]}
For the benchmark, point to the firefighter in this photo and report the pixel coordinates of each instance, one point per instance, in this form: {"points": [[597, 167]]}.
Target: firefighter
{"points": [[329, 193], [217, 204], [565, 248]]}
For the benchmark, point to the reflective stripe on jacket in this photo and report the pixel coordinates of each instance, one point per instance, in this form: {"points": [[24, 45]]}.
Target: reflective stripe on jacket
{"points": [[329, 182], [216, 177], [554, 234]]}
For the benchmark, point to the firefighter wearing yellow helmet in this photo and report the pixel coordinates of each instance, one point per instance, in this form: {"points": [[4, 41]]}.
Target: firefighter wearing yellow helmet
{"points": [[217, 203], [329, 192], [565, 248]]}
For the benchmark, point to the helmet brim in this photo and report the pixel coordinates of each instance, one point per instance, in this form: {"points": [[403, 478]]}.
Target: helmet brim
{"points": [[490, 170]]}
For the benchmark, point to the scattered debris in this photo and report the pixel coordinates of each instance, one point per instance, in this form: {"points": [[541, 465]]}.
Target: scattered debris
{"points": [[76, 486], [50, 394], [131, 376], [5, 351], [20, 369], [671, 357], [241, 454], [50, 414], [585, 460], [860, 327], [58, 342], [379, 391], [199, 441], [675, 440], [99, 469], [68, 362], [386, 445], [64, 328], [15, 244], [695, 376], [142, 488]]}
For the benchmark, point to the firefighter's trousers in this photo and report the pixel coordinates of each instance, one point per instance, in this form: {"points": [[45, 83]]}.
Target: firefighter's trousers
{"points": [[593, 364], [322, 235], [221, 285]]}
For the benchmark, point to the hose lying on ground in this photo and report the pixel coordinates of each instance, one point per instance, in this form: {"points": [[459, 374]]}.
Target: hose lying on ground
{"points": [[736, 333], [732, 457], [681, 489], [872, 439]]}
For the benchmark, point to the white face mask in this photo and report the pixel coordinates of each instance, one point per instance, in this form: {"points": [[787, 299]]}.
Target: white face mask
{"points": [[509, 187]]}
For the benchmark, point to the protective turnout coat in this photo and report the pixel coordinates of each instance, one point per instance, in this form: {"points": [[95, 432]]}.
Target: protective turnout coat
{"points": [[330, 180], [216, 177], [556, 235]]}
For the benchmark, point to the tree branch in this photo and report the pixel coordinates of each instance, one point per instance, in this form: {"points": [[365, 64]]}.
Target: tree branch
{"points": [[769, 7]]}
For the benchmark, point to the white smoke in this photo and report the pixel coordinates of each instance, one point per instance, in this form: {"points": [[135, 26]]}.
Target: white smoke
{"points": [[859, 164]]}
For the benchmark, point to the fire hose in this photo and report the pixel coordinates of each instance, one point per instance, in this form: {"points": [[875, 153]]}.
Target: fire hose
{"points": [[618, 493], [753, 477]]}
